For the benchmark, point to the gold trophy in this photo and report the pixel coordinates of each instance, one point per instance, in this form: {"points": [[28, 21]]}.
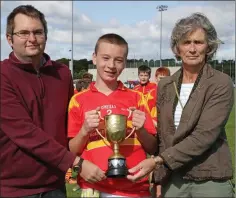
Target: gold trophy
{"points": [[115, 132]]}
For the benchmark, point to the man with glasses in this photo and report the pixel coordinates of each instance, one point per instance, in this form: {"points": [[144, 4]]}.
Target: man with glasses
{"points": [[35, 93]]}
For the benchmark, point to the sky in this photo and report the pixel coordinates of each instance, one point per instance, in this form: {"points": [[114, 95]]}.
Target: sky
{"points": [[139, 22]]}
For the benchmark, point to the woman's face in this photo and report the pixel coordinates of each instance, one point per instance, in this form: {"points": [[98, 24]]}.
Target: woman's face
{"points": [[193, 49]]}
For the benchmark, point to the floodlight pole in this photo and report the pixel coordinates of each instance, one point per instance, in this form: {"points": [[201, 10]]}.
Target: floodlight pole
{"points": [[161, 8]]}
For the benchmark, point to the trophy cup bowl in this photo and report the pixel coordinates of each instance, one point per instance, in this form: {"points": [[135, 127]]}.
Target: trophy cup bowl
{"points": [[115, 132], [115, 127]]}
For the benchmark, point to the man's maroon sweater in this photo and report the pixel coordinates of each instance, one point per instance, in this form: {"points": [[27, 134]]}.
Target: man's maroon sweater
{"points": [[34, 154]]}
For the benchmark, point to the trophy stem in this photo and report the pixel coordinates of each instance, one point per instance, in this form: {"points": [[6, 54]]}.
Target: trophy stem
{"points": [[116, 164], [116, 151], [116, 148]]}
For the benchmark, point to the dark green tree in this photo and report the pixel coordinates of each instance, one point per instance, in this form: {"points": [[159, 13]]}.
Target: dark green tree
{"points": [[63, 61]]}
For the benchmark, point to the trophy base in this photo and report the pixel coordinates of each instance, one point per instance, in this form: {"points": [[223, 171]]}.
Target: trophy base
{"points": [[117, 168]]}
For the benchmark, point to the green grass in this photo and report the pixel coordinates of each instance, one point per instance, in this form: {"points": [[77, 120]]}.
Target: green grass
{"points": [[70, 192], [230, 131]]}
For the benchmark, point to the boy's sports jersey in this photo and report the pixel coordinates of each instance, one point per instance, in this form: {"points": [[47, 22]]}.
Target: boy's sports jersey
{"points": [[151, 99], [149, 92], [98, 150], [145, 89], [75, 91]]}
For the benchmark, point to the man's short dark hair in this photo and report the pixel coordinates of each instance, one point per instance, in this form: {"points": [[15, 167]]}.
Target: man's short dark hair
{"points": [[29, 11]]}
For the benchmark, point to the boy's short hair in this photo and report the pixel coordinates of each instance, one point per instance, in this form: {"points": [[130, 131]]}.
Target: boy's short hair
{"points": [[164, 71], [87, 76], [82, 84], [113, 39], [145, 69]]}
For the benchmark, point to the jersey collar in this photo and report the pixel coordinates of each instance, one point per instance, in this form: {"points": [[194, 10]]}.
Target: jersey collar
{"points": [[120, 86]]}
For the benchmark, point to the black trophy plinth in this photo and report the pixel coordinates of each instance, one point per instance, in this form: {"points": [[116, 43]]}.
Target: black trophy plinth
{"points": [[117, 168]]}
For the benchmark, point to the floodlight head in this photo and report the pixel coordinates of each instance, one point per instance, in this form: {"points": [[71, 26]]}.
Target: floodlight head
{"points": [[162, 8]]}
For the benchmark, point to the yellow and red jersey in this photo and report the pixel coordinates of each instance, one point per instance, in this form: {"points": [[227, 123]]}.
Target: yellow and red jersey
{"points": [[145, 89], [149, 91], [97, 150], [151, 99], [75, 91]]}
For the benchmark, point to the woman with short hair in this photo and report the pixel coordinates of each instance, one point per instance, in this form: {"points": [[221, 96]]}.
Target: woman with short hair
{"points": [[193, 106]]}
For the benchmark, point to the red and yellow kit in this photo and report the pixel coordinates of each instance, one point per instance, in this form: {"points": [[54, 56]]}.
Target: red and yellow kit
{"points": [[98, 150], [75, 91], [151, 99], [149, 92], [145, 89]]}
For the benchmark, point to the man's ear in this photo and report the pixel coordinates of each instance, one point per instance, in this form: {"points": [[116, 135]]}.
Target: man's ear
{"points": [[94, 58], [9, 39]]}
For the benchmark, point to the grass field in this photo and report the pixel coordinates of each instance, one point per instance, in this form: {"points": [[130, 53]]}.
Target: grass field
{"points": [[70, 192], [230, 130]]}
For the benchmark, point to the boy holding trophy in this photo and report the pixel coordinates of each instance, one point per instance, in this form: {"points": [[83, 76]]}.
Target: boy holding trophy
{"points": [[109, 127]]}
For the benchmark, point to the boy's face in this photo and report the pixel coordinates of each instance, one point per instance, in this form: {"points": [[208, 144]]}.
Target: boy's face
{"points": [[110, 61], [143, 77]]}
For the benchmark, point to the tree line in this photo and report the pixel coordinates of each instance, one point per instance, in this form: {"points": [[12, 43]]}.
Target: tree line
{"points": [[83, 65]]}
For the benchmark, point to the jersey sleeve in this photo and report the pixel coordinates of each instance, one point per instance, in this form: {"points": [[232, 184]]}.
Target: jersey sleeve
{"points": [[75, 117]]}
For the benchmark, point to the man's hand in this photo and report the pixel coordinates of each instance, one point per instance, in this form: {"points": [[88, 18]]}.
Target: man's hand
{"points": [[138, 118], [91, 173], [91, 121]]}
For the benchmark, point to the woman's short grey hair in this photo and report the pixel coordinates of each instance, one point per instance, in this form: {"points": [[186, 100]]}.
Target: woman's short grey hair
{"points": [[188, 25]]}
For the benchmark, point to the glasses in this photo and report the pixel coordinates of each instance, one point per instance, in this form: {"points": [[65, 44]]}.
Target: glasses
{"points": [[24, 34]]}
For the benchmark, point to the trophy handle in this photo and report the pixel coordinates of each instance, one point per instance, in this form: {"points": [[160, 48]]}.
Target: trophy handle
{"points": [[100, 134], [130, 112], [99, 113], [133, 129]]}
